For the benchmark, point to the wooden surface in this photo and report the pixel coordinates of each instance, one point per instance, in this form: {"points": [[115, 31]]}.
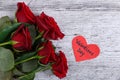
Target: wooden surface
{"points": [[97, 20]]}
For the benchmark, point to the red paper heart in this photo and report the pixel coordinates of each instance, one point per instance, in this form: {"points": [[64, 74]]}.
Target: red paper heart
{"points": [[84, 51]]}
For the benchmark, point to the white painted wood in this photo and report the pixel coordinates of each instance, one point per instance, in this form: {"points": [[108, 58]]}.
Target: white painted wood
{"points": [[97, 20]]}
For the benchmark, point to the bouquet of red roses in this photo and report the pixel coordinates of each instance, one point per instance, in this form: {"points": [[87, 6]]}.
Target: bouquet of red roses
{"points": [[26, 46]]}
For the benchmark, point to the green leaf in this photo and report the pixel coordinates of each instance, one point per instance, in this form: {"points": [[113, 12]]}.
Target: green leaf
{"points": [[32, 32], [6, 31], [28, 77], [38, 42], [4, 21], [5, 75], [29, 66], [31, 75], [6, 59], [17, 72]]}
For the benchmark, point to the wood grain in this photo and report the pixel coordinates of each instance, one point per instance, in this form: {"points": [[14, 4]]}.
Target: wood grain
{"points": [[97, 20]]}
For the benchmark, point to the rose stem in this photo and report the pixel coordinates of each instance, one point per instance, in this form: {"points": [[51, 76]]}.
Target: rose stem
{"points": [[28, 59], [39, 36], [8, 43], [38, 70]]}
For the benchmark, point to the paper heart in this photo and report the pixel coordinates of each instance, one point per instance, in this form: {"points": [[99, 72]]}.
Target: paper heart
{"points": [[84, 51]]}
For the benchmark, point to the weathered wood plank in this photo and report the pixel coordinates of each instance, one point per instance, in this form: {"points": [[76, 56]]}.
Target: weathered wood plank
{"points": [[97, 20], [69, 5]]}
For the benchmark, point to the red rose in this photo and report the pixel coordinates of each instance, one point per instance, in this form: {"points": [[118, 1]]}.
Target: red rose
{"points": [[48, 25], [60, 66], [22, 36], [24, 14], [48, 52]]}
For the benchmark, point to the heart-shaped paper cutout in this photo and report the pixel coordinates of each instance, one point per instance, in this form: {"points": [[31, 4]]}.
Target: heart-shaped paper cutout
{"points": [[84, 51]]}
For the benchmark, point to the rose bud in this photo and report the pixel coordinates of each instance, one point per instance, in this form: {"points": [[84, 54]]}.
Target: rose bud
{"points": [[23, 39], [47, 52], [48, 25], [24, 14], [60, 67]]}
